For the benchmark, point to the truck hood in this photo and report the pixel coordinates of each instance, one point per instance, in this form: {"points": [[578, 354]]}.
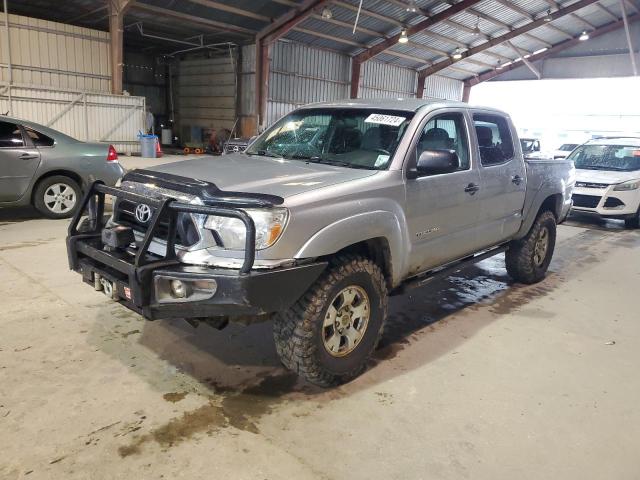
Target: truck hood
{"points": [[256, 174], [604, 176]]}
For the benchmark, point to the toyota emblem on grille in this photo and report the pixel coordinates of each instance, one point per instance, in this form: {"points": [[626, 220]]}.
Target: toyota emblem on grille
{"points": [[236, 148], [143, 213]]}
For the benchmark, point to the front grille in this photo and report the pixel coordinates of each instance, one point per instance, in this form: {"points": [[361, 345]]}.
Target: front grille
{"points": [[591, 185], [613, 202], [186, 233], [585, 201]]}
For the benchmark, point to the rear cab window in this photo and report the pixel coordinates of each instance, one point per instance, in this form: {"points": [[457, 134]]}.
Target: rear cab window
{"points": [[494, 139], [39, 139], [10, 135]]}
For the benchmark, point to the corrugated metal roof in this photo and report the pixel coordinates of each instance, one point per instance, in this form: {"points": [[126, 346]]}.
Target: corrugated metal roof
{"points": [[378, 20]]}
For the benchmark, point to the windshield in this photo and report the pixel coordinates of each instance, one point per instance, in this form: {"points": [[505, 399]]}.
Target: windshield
{"points": [[619, 158], [355, 138], [567, 147]]}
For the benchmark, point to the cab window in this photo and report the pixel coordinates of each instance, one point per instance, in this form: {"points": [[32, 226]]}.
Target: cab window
{"points": [[446, 132], [494, 139], [10, 135], [39, 139]]}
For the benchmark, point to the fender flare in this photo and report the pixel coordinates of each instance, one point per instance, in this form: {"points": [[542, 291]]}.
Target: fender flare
{"points": [[359, 228]]}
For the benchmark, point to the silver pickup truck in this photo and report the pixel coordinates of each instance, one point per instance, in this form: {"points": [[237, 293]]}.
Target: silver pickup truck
{"points": [[329, 211]]}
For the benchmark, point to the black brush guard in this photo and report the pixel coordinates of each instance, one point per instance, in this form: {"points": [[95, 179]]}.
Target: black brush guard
{"points": [[244, 292]]}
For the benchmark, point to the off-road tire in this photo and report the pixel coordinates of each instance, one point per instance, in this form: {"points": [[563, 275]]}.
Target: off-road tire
{"points": [[633, 222], [519, 257], [298, 331], [41, 188]]}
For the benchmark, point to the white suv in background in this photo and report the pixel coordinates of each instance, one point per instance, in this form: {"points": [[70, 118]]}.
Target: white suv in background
{"points": [[564, 151], [608, 179]]}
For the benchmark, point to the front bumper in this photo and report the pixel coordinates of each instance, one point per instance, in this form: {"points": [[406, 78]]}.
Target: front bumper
{"points": [[137, 278], [605, 202]]}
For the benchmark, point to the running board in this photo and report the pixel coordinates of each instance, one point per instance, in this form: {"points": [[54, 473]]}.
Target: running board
{"points": [[447, 270]]}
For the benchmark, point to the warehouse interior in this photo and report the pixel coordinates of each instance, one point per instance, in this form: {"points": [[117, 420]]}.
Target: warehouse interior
{"points": [[475, 375], [195, 62]]}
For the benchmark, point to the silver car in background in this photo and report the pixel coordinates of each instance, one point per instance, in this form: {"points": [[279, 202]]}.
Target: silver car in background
{"points": [[45, 168]]}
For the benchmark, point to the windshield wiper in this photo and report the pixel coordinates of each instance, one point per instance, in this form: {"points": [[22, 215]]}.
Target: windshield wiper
{"points": [[337, 163], [264, 153]]}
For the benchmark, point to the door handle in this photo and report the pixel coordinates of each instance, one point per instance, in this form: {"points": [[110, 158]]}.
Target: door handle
{"points": [[472, 188], [517, 179], [28, 156]]}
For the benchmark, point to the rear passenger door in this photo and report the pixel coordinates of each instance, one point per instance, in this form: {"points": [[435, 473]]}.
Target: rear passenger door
{"points": [[19, 161], [442, 210], [502, 176]]}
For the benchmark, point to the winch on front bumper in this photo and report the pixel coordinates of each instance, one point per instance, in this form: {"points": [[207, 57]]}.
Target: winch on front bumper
{"points": [[161, 286]]}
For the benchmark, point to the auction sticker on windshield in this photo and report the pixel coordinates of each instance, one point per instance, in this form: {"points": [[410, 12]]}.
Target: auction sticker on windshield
{"points": [[379, 118]]}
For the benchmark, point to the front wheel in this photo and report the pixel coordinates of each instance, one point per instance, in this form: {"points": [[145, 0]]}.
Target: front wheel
{"points": [[528, 259], [633, 222], [57, 197], [328, 335]]}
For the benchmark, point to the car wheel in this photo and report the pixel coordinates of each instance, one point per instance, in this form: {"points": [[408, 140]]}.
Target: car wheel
{"points": [[528, 259], [57, 197], [633, 222], [329, 334]]}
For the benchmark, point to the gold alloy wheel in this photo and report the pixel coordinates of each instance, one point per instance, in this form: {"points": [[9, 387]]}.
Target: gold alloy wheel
{"points": [[346, 321]]}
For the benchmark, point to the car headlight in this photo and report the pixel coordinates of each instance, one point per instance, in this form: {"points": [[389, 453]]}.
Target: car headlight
{"points": [[269, 223], [626, 186]]}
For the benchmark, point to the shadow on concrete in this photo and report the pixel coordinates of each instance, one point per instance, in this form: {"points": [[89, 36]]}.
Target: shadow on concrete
{"points": [[18, 214], [240, 366]]}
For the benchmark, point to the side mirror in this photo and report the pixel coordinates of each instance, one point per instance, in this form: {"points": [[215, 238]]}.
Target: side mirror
{"points": [[434, 162]]}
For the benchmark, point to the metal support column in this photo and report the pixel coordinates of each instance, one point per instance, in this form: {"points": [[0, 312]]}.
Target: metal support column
{"points": [[8, 40], [632, 54], [356, 67]]}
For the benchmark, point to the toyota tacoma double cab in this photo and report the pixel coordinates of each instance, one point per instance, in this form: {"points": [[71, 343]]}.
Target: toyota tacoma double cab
{"points": [[327, 213]]}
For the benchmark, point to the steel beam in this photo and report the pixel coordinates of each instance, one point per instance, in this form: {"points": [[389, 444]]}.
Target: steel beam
{"points": [[632, 54], [265, 38], [610, 27], [117, 9], [529, 65], [356, 68], [230, 9], [418, 27], [509, 36]]}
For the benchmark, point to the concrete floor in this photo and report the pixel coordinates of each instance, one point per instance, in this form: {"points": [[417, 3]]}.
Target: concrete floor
{"points": [[476, 378]]}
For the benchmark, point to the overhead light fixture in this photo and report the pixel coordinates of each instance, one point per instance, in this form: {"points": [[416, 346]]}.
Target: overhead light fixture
{"points": [[476, 31], [411, 6], [327, 13], [584, 37], [457, 55], [548, 17], [403, 36]]}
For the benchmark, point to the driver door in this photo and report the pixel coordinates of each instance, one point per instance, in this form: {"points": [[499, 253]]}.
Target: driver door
{"points": [[19, 161], [443, 210]]}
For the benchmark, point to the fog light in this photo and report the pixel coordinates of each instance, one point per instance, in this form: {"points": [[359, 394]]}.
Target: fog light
{"points": [[178, 289]]}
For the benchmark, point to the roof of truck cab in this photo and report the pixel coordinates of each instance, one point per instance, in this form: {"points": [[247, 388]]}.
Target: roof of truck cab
{"points": [[402, 104]]}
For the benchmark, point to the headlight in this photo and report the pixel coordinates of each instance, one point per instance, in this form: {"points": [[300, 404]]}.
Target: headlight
{"points": [[626, 186], [232, 232]]}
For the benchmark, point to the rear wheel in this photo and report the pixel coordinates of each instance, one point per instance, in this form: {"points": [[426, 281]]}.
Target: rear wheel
{"points": [[328, 335], [57, 197], [528, 259]]}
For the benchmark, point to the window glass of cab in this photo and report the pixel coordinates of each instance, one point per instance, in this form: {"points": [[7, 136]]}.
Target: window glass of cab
{"points": [[10, 135], [494, 139], [39, 139], [446, 132]]}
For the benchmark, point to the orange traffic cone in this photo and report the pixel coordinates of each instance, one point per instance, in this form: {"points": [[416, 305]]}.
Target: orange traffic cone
{"points": [[158, 149]]}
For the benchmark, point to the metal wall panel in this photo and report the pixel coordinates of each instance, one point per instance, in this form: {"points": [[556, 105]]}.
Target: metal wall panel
{"points": [[114, 119], [388, 81], [55, 54], [436, 86], [206, 93], [300, 74]]}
